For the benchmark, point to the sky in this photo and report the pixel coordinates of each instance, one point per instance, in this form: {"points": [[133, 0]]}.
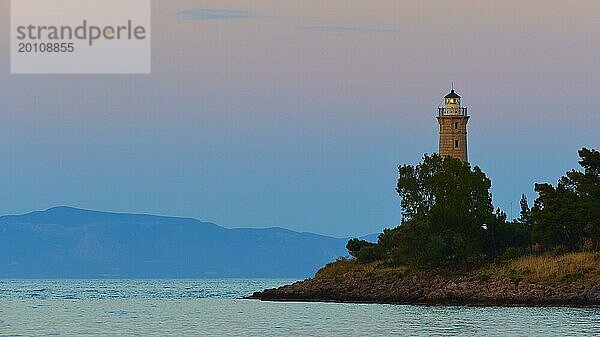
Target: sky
{"points": [[297, 114]]}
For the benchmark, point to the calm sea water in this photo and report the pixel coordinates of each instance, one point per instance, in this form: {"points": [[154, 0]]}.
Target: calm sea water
{"points": [[213, 308]]}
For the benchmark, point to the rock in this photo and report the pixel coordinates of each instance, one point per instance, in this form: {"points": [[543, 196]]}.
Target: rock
{"points": [[435, 290]]}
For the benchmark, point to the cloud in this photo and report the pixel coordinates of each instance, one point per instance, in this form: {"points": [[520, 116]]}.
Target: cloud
{"points": [[203, 14], [350, 29]]}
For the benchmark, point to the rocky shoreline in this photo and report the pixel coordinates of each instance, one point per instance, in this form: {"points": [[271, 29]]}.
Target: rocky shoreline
{"points": [[423, 289]]}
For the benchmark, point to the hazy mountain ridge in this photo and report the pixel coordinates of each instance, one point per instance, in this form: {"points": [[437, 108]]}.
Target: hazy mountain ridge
{"points": [[65, 242]]}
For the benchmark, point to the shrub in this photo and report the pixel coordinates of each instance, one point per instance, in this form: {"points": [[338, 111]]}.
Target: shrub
{"points": [[512, 253], [354, 246]]}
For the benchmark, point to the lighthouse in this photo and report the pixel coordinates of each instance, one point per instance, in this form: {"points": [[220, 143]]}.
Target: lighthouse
{"points": [[453, 119]]}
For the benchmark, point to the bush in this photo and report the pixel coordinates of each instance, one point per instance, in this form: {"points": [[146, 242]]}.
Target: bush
{"points": [[512, 253], [354, 246], [370, 254], [483, 277]]}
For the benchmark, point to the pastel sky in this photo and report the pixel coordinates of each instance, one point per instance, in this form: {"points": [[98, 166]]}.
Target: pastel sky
{"points": [[297, 113]]}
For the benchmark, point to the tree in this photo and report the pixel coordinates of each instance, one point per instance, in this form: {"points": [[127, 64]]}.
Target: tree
{"points": [[587, 185], [503, 235], [566, 215], [444, 203], [525, 217], [448, 218], [420, 245], [557, 224], [354, 246], [493, 242]]}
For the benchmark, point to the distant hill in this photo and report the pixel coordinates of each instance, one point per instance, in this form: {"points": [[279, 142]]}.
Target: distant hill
{"points": [[65, 242]]}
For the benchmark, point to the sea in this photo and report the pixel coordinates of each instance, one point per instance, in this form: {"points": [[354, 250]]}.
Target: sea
{"points": [[216, 308]]}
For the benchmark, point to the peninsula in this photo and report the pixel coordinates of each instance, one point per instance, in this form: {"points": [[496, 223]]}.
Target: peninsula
{"points": [[452, 248], [548, 280]]}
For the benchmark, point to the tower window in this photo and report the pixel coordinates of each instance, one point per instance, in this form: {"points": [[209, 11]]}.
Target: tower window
{"points": [[456, 143], [455, 125]]}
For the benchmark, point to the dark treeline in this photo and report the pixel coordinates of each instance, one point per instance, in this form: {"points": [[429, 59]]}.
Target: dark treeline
{"points": [[448, 219]]}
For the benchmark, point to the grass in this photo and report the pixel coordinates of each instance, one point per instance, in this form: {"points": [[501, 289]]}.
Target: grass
{"points": [[352, 268], [546, 268]]}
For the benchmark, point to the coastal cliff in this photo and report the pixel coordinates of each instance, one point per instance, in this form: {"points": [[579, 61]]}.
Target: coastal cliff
{"points": [[567, 280]]}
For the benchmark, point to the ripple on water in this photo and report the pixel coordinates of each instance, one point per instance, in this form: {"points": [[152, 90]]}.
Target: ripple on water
{"points": [[182, 307]]}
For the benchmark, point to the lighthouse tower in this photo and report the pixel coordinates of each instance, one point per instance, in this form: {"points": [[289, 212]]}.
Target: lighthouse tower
{"points": [[453, 119]]}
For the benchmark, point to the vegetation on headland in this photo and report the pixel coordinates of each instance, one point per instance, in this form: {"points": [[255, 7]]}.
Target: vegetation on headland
{"points": [[544, 268], [449, 223], [569, 279], [452, 248]]}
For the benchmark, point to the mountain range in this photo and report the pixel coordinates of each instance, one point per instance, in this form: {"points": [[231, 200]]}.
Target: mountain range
{"points": [[66, 243]]}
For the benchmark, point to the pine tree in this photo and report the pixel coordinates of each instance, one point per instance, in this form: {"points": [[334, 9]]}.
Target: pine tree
{"points": [[525, 217]]}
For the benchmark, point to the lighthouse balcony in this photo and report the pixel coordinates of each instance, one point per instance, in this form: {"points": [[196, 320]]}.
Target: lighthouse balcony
{"points": [[452, 111]]}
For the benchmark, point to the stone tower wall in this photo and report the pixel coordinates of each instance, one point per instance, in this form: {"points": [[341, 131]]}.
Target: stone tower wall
{"points": [[453, 136]]}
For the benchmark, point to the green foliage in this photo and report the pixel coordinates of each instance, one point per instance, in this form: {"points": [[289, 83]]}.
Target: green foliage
{"points": [[354, 246], [370, 254], [483, 277], [573, 277], [445, 189], [514, 276], [444, 204], [448, 218], [565, 215], [525, 217], [418, 245], [512, 253], [503, 235]]}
